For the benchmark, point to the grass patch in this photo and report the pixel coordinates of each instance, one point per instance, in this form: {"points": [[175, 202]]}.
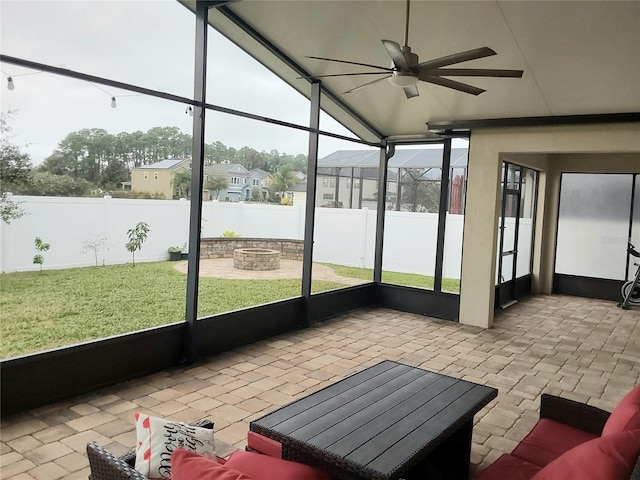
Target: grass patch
{"points": [[397, 278], [53, 308]]}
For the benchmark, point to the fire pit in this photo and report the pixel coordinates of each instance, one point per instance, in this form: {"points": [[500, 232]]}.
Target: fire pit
{"points": [[256, 259]]}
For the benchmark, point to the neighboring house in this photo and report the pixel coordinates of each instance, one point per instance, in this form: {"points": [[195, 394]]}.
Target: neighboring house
{"points": [[158, 177], [298, 191], [349, 178], [237, 176], [259, 180]]}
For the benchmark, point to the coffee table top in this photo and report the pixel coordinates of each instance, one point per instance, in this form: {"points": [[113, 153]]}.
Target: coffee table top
{"points": [[377, 423]]}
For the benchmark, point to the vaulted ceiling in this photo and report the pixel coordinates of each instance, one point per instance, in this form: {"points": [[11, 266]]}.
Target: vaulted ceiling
{"points": [[578, 57]]}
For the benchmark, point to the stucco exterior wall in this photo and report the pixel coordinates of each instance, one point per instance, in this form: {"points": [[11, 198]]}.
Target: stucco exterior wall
{"points": [[551, 150], [163, 184]]}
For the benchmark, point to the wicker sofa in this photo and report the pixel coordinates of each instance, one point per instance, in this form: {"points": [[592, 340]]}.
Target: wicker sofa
{"points": [[577, 441], [263, 459], [105, 466]]}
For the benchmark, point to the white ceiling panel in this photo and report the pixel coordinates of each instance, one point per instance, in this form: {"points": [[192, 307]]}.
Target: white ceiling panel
{"points": [[578, 57]]}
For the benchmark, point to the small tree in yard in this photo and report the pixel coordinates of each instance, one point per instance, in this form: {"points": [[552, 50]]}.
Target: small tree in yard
{"points": [[40, 247], [94, 245], [137, 235]]}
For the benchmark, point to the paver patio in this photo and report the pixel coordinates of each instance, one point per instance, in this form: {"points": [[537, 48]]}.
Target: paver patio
{"points": [[583, 349]]}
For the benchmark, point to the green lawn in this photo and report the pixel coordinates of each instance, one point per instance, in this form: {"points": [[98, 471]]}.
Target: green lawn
{"points": [[396, 278], [41, 310], [53, 308]]}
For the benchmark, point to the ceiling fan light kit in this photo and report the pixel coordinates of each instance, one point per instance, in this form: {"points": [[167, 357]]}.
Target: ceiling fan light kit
{"points": [[402, 79], [406, 70]]}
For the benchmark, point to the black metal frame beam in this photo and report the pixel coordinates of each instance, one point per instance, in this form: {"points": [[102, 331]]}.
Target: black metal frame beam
{"points": [[65, 72], [459, 126]]}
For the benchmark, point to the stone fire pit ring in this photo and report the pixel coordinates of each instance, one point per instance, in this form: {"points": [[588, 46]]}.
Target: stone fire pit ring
{"points": [[257, 259]]}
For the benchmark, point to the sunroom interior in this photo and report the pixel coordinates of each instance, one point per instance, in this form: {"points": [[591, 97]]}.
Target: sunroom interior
{"points": [[573, 118]]}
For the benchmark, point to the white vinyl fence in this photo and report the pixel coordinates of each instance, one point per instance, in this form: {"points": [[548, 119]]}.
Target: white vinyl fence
{"points": [[342, 236]]}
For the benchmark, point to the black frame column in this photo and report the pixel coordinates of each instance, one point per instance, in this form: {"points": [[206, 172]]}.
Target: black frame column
{"points": [[312, 173], [442, 214], [197, 169], [382, 197]]}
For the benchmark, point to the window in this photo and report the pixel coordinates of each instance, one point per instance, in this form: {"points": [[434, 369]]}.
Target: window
{"points": [[327, 196], [325, 182], [146, 175], [244, 180], [256, 182], [155, 175], [235, 181], [332, 182]]}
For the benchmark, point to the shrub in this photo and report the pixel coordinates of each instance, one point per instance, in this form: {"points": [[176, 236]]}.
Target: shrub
{"points": [[40, 247]]}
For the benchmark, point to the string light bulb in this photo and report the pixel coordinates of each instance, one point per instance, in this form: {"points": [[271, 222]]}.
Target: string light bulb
{"points": [[113, 102], [10, 84]]}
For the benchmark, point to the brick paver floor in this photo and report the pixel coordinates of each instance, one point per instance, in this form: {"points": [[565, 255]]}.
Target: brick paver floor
{"points": [[579, 348]]}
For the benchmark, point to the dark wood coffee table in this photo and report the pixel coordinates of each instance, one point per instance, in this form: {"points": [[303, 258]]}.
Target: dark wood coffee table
{"points": [[389, 421]]}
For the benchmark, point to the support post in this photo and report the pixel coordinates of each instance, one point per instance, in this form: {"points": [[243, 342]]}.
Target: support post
{"points": [[312, 174], [382, 194], [197, 167], [442, 214]]}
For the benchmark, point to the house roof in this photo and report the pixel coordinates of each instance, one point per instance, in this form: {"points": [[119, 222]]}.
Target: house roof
{"points": [[578, 57], [167, 164], [225, 168], [298, 187], [403, 158], [260, 172]]}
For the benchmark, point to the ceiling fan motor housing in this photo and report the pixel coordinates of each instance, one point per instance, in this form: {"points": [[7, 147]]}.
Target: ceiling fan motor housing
{"points": [[405, 78]]}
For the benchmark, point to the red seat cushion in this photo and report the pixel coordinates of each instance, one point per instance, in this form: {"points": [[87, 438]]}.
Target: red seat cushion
{"points": [[188, 465], [263, 467], [606, 458], [548, 440], [264, 445], [508, 467], [626, 415]]}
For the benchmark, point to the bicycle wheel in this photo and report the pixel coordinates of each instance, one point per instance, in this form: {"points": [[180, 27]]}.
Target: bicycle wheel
{"points": [[634, 298]]}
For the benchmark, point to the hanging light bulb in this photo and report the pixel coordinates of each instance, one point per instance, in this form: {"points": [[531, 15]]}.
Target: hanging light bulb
{"points": [[113, 102], [189, 110], [10, 84]]}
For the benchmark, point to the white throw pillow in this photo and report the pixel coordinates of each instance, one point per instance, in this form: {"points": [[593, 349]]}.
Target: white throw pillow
{"points": [[157, 438]]}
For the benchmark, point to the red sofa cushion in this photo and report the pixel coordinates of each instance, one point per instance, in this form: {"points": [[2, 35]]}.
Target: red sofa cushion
{"points": [[263, 467], [188, 465], [508, 467], [606, 458], [626, 415], [548, 440], [265, 445]]}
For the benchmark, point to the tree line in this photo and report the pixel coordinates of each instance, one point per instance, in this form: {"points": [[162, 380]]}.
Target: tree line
{"points": [[93, 161]]}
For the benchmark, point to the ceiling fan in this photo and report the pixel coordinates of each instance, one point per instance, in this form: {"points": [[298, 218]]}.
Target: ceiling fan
{"points": [[407, 71]]}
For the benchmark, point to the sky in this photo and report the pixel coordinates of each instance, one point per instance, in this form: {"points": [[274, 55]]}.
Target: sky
{"points": [[145, 43]]}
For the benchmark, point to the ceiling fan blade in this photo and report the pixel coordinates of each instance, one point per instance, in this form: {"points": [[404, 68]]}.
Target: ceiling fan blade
{"points": [[473, 72], [367, 84], [445, 82], [455, 58], [396, 54], [352, 63], [411, 91], [344, 74]]}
